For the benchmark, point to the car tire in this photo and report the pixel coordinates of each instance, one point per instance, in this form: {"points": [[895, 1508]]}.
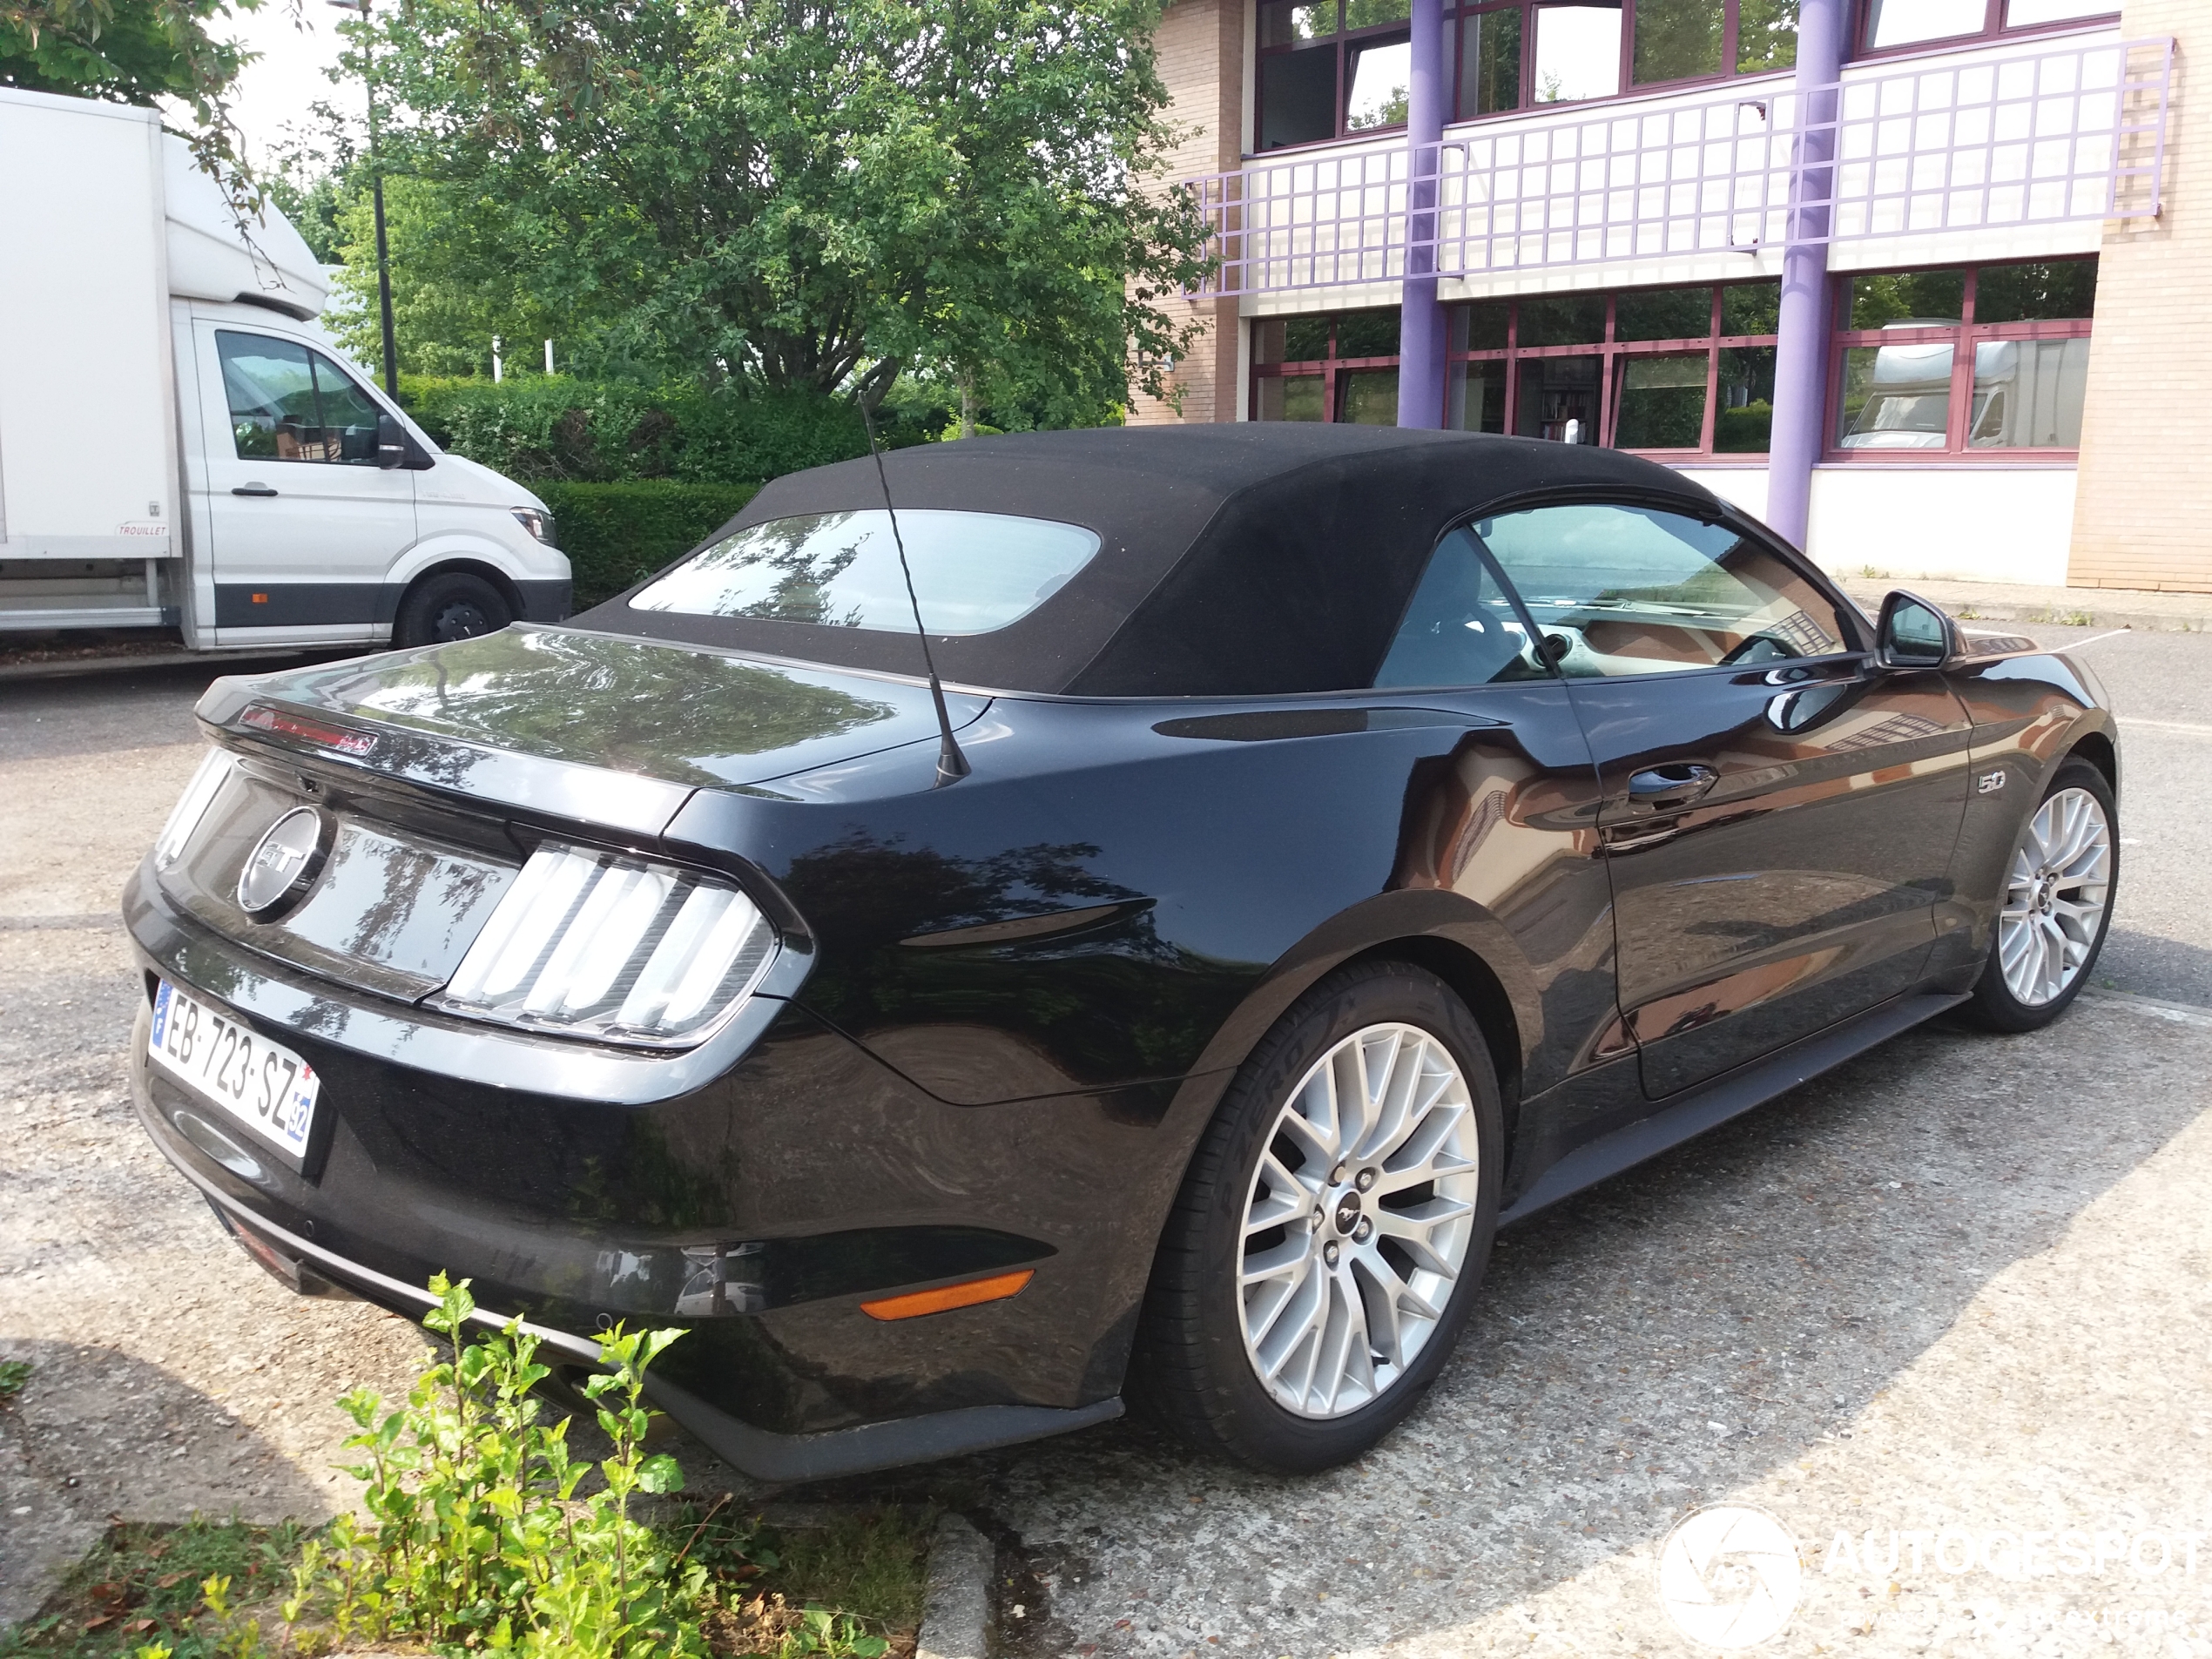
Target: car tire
{"points": [[1207, 1332], [453, 605], [2055, 906]]}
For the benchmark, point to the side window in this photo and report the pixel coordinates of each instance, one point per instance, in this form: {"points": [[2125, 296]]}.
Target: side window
{"points": [[1459, 629], [348, 415], [271, 387], [1635, 590], [288, 403]]}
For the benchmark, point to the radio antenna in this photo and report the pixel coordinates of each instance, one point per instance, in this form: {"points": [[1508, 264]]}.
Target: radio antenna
{"points": [[952, 765]]}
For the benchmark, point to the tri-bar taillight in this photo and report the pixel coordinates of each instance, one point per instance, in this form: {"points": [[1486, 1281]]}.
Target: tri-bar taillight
{"points": [[593, 944]]}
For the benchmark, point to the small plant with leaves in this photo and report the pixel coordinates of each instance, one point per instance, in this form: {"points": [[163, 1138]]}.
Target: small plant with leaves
{"points": [[14, 1374], [476, 1536]]}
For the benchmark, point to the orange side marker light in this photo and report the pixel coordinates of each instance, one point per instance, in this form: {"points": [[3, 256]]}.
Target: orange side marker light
{"points": [[915, 1303]]}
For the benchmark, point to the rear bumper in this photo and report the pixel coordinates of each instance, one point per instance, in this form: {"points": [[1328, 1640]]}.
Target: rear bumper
{"points": [[759, 1452], [757, 1208]]}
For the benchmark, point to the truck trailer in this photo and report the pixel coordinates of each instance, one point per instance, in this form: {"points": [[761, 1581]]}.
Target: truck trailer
{"points": [[181, 446]]}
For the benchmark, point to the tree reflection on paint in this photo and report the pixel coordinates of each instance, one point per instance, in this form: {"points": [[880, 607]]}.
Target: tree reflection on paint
{"points": [[625, 704], [1106, 1005]]}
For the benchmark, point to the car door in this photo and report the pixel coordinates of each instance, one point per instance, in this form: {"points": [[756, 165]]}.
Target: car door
{"points": [[303, 521], [1507, 818], [1778, 812]]}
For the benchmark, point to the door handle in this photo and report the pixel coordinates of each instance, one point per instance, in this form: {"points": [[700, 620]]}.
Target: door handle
{"points": [[1676, 784], [253, 489]]}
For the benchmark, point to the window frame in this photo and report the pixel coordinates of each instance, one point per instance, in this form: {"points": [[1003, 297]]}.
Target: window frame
{"points": [[1326, 369], [1858, 631], [1610, 352], [314, 355], [1994, 27], [1336, 43], [1962, 337]]}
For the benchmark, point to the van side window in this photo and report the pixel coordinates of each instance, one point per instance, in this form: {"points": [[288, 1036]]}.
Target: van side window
{"points": [[288, 403], [1620, 589]]}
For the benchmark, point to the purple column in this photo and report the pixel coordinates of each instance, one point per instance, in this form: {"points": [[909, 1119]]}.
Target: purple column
{"points": [[1421, 320], [1801, 357]]}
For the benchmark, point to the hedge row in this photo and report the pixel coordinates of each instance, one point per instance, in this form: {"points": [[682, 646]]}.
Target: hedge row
{"points": [[549, 428], [615, 534]]}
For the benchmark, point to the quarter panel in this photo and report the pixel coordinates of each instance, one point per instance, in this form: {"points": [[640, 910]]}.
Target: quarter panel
{"points": [[1214, 866], [2028, 710]]}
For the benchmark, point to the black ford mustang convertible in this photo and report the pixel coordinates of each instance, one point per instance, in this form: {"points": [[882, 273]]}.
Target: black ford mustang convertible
{"points": [[1364, 838]]}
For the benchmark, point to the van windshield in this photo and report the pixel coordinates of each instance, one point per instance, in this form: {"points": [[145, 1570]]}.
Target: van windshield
{"points": [[973, 572]]}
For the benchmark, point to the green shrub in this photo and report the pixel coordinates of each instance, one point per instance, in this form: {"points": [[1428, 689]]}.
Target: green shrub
{"points": [[476, 1537], [619, 533], [548, 428]]}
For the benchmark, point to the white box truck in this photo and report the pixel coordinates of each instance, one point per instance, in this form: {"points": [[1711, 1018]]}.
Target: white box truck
{"points": [[180, 445]]}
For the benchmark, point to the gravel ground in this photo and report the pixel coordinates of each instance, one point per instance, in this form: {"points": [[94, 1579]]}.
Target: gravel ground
{"points": [[1961, 1283]]}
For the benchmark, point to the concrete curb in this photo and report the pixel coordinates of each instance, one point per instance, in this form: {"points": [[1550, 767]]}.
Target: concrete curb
{"points": [[2157, 1007], [215, 662], [956, 1611]]}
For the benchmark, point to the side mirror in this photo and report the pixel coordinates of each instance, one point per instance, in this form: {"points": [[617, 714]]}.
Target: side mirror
{"points": [[1914, 634], [392, 446]]}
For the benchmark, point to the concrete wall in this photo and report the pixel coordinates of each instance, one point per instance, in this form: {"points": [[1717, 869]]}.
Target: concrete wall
{"points": [[2144, 516], [1201, 47], [2004, 524]]}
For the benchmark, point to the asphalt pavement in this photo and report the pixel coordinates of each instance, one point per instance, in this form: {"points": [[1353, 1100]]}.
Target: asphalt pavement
{"points": [[1956, 1291]]}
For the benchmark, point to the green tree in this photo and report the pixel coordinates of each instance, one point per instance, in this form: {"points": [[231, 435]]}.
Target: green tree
{"points": [[807, 196], [127, 51]]}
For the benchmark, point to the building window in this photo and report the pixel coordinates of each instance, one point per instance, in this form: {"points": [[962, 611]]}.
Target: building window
{"points": [[1513, 54], [1337, 69], [1332, 70], [1679, 372], [1341, 367], [1962, 362], [1887, 25]]}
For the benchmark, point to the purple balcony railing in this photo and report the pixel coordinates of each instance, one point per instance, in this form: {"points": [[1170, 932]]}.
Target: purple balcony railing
{"points": [[2029, 138]]}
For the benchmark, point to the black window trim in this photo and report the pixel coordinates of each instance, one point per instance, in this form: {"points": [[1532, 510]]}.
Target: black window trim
{"points": [[314, 354], [1723, 515]]}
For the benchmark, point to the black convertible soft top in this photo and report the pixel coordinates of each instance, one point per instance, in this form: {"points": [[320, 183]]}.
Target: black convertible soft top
{"points": [[1235, 560]]}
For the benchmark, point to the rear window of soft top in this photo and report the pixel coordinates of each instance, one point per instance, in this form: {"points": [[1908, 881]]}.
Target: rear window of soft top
{"points": [[973, 572]]}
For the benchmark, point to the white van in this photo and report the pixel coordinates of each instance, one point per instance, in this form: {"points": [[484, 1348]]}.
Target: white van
{"points": [[181, 446]]}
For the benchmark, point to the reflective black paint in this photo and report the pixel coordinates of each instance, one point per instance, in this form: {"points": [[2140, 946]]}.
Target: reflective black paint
{"points": [[1011, 1005]]}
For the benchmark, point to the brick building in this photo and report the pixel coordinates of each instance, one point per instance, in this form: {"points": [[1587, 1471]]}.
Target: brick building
{"points": [[1913, 279]]}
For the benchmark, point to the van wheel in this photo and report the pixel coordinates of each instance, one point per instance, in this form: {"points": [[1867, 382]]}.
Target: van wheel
{"points": [[454, 605], [1327, 1247]]}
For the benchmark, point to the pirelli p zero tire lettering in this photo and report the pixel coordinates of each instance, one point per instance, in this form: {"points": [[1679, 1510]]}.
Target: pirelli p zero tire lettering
{"points": [[1332, 1229]]}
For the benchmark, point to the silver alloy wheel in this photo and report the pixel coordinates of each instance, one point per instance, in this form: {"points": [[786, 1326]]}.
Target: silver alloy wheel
{"points": [[1357, 1220], [2055, 897]]}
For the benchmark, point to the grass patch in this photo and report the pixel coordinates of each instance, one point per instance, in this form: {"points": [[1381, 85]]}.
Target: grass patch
{"points": [[872, 1565], [141, 1585], [14, 1374], [484, 1530], [852, 1587]]}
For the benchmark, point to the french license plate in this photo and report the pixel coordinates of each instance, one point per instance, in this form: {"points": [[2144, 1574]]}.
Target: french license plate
{"points": [[263, 1084]]}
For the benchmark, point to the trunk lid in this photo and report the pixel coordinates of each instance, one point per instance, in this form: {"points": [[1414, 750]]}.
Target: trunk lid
{"points": [[550, 725], [649, 719]]}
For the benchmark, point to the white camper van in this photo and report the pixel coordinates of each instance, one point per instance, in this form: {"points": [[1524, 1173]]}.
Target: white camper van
{"points": [[181, 446]]}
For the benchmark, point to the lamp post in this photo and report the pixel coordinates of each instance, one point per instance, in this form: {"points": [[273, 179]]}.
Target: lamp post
{"points": [[376, 191]]}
